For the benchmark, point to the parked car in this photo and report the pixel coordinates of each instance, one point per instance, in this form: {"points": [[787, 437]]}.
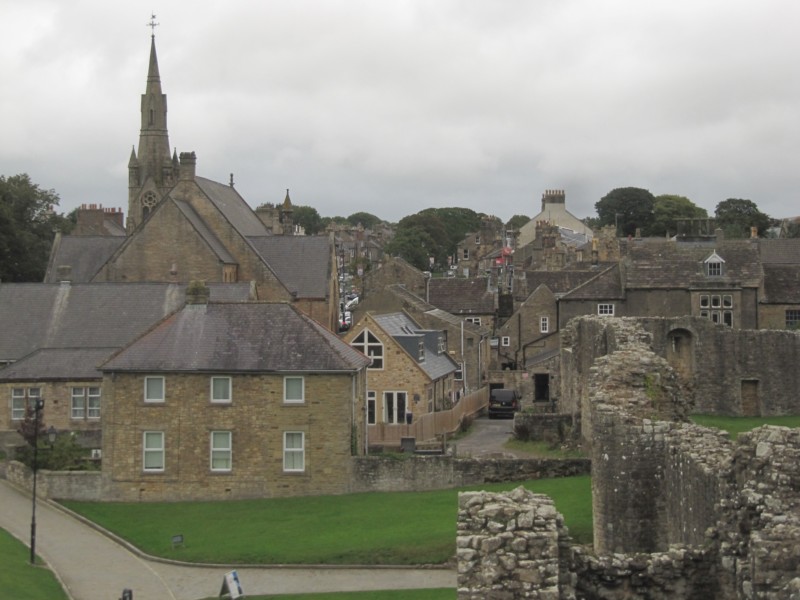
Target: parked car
{"points": [[351, 303], [503, 402]]}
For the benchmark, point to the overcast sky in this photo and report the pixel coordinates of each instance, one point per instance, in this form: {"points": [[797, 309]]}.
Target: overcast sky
{"points": [[391, 107]]}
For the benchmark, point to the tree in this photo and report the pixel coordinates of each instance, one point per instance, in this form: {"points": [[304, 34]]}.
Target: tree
{"points": [[516, 222], [365, 219], [735, 216], [308, 218], [628, 209], [667, 209], [27, 228]]}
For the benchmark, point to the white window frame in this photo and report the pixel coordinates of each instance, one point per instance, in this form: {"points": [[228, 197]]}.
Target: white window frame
{"points": [[153, 450], [212, 390], [21, 402], [473, 320], [458, 375], [505, 341], [84, 403], [220, 449], [294, 400], [397, 399], [372, 407], [465, 254], [605, 309], [294, 451], [371, 346], [544, 324], [155, 400]]}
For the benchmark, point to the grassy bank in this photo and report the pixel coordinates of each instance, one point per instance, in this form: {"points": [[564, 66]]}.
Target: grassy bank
{"points": [[20, 579], [375, 528], [736, 425]]}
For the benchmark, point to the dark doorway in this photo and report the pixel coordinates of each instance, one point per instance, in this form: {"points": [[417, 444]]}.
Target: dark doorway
{"points": [[541, 387]]}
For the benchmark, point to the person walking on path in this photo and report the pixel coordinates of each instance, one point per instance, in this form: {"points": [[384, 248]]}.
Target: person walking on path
{"points": [[93, 566]]}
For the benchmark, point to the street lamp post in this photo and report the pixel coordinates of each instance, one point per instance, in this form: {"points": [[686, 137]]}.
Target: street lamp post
{"points": [[37, 409]]}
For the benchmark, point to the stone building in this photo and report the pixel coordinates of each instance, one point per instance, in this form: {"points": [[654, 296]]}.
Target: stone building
{"points": [[232, 400], [182, 227], [56, 335], [411, 373]]}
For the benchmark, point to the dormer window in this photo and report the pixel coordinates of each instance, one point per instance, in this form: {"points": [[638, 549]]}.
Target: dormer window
{"points": [[714, 265], [441, 347], [421, 351]]}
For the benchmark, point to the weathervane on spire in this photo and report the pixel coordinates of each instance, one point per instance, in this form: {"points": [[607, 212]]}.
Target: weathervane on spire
{"points": [[152, 24]]}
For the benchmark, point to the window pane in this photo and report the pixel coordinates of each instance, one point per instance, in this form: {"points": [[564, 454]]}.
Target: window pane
{"points": [[153, 450], [221, 450], [78, 403], [293, 452], [221, 389], [17, 403], [93, 403], [293, 389], [154, 389]]}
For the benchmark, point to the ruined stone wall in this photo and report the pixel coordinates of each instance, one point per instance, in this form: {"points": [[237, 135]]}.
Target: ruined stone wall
{"points": [[680, 511], [511, 545]]}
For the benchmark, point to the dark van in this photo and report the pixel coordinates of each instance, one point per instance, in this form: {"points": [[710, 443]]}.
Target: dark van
{"points": [[503, 402]]}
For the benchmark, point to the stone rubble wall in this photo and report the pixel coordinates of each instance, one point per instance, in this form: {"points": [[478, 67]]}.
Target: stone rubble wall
{"points": [[680, 511], [511, 545]]}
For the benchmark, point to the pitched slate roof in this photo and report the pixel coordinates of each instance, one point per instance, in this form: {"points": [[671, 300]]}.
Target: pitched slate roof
{"points": [[605, 285], [780, 251], [84, 254], [232, 205], [667, 264], [205, 233], [561, 282], [410, 299], [88, 315], [57, 363], [302, 263], [781, 284], [408, 334], [238, 337], [461, 296]]}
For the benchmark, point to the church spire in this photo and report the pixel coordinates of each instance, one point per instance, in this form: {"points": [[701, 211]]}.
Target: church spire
{"points": [[155, 173]]}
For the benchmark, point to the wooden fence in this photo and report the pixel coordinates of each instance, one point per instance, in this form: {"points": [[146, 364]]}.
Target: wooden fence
{"points": [[427, 427]]}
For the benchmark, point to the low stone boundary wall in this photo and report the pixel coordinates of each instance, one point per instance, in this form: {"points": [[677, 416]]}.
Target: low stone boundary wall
{"points": [[67, 485], [420, 473]]}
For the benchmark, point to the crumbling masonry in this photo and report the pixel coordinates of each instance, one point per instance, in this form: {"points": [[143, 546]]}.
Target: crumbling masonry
{"points": [[680, 511]]}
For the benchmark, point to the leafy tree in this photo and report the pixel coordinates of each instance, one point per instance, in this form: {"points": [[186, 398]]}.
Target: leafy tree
{"points": [[27, 227], [432, 232], [626, 208], [308, 218], [736, 216], [517, 221], [667, 209], [367, 220]]}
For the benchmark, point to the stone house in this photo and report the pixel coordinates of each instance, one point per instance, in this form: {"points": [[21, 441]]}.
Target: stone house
{"points": [[232, 400], [182, 227], [56, 335], [474, 251], [554, 212], [411, 372]]}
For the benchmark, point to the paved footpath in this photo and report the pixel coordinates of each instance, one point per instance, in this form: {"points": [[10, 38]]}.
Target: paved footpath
{"points": [[92, 566]]}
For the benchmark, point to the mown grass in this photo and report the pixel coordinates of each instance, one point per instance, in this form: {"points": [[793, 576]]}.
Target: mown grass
{"points": [[736, 425], [431, 594], [542, 449], [375, 528], [21, 580]]}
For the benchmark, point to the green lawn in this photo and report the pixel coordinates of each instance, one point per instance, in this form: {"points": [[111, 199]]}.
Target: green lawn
{"points": [[19, 579], [434, 594], [375, 528], [736, 425]]}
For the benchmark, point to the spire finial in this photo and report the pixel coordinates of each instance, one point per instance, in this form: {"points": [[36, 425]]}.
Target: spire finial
{"points": [[152, 24]]}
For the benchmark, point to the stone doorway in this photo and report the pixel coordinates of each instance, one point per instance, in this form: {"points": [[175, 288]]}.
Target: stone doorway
{"points": [[751, 404]]}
